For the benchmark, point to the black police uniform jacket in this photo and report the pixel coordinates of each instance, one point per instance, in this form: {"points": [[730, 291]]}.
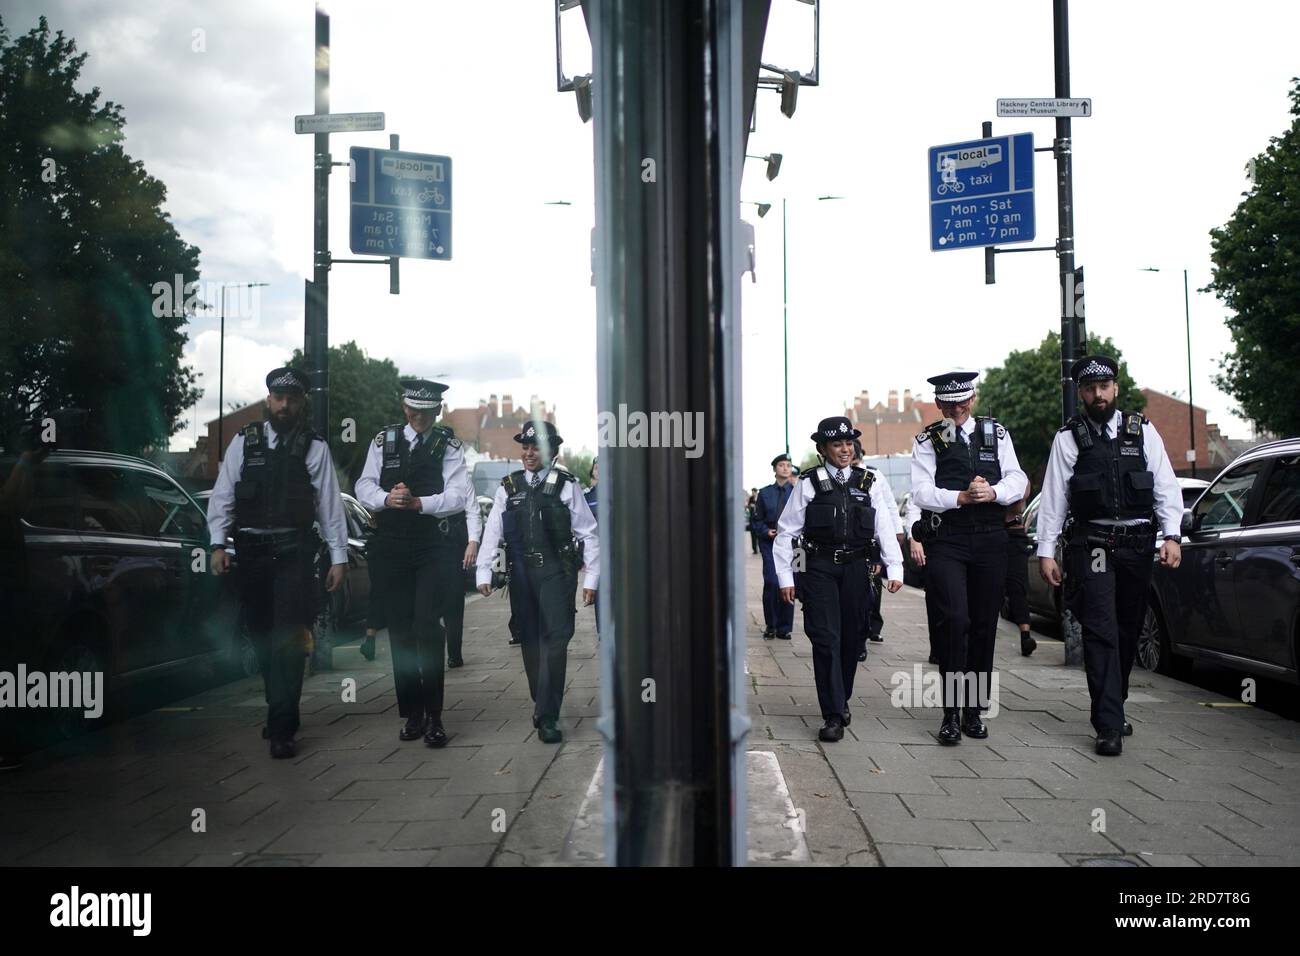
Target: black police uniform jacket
{"points": [[1111, 478], [840, 516], [958, 462], [274, 488], [420, 469], [537, 522]]}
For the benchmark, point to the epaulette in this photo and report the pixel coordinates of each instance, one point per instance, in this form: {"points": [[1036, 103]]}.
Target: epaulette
{"points": [[934, 432], [253, 434], [862, 478], [448, 436], [1070, 423]]}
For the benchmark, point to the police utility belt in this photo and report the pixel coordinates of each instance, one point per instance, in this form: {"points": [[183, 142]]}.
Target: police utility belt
{"points": [[933, 525], [837, 554], [1112, 535], [274, 540]]}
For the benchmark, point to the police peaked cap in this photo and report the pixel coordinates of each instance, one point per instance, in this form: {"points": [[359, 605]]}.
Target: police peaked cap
{"points": [[1094, 368], [780, 458], [529, 435], [953, 386], [421, 393], [834, 429], [285, 379]]}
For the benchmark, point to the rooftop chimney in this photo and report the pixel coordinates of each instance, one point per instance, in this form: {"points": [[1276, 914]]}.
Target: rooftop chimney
{"points": [[507, 406], [907, 399], [893, 400]]}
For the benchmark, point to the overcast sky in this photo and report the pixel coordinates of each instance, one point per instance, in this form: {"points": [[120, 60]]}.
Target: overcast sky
{"points": [[1184, 93]]}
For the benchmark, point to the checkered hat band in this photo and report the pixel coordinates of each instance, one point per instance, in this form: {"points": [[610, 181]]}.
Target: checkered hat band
{"points": [[1096, 368], [286, 380], [961, 392]]}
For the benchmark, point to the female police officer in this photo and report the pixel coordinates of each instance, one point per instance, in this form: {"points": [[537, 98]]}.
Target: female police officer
{"points": [[838, 510]]}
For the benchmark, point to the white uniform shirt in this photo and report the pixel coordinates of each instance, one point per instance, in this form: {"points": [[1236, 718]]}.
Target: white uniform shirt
{"points": [[1060, 466], [473, 517], [580, 519], [455, 488], [924, 493], [320, 466], [790, 524], [883, 482]]}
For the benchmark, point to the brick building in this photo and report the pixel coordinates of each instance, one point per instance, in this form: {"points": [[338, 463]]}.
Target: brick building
{"points": [[230, 426], [889, 429], [1214, 450], [491, 428]]}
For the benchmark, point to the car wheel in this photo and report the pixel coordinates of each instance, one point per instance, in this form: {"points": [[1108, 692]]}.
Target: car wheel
{"points": [[1150, 642], [244, 661], [79, 657]]}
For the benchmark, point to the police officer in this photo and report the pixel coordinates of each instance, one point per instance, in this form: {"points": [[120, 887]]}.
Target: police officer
{"points": [[592, 498], [415, 485], [778, 615], [543, 518], [916, 547], [838, 510], [1018, 548], [277, 476], [1108, 470], [964, 473]]}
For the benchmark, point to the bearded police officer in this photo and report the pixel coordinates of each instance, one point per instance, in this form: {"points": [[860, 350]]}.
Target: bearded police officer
{"points": [[1109, 472], [778, 616], [276, 478], [543, 518], [414, 483], [842, 514], [964, 473]]}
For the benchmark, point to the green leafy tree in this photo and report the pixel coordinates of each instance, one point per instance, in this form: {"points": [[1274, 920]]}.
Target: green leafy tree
{"points": [[579, 463], [1024, 394], [83, 243], [1256, 274], [366, 390]]}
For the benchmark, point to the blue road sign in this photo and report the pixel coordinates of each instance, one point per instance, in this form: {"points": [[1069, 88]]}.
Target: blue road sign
{"points": [[982, 192], [401, 204]]}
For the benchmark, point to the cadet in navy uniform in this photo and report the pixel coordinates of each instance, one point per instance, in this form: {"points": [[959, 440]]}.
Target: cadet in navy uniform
{"points": [[838, 510], [276, 478], [414, 483], [778, 615], [964, 473], [543, 518], [1109, 470]]}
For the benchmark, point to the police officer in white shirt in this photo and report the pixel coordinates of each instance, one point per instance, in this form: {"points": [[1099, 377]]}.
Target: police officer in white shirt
{"points": [[542, 516], [414, 484], [964, 472], [1109, 470], [276, 477], [841, 512]]}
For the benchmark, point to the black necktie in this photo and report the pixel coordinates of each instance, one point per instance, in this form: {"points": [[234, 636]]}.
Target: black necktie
{"points": [[839, 476]]}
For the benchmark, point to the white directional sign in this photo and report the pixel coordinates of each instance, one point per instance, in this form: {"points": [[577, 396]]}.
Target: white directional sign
{"points": [[1045, 107], [338, 123]]}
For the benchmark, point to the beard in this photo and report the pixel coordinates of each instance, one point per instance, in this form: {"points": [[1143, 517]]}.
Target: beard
{"points": [[1100, 412], [284, 422]]}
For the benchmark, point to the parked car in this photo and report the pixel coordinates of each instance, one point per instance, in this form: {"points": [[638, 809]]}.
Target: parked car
{"points": [[1235, 598], [115, 552]]}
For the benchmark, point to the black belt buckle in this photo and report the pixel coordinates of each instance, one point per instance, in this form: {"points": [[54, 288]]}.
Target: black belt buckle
{"points": [[847, 555]]}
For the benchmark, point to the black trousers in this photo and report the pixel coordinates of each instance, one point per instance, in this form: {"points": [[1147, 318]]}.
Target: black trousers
{"points": [[278, 588], [933, 620], [544, 604], [835, 600], [421, 575], [1106, 589], [1017, 589], [965, 574], [875, 621], [776, 613], [453, 619]]}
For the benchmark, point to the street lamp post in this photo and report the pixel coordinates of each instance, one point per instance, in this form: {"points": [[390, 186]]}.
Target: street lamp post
{"points": [[1191, 409], [221, 367]]}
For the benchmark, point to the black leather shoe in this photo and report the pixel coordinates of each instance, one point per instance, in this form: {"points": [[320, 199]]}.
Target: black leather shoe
{"points": [[436, 737], [848, 716], [266, 733], [283, 749], [1128, 729], [950, 730], [1027, 644], [862, 655], [454, 662], [972, 726], [832, 730], [877, 639], [1110, 744], [783, 635], [8, 762], [934, 660], [769, 633], [413, 730], [367, 647], [548, 733], [514, 642]]}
